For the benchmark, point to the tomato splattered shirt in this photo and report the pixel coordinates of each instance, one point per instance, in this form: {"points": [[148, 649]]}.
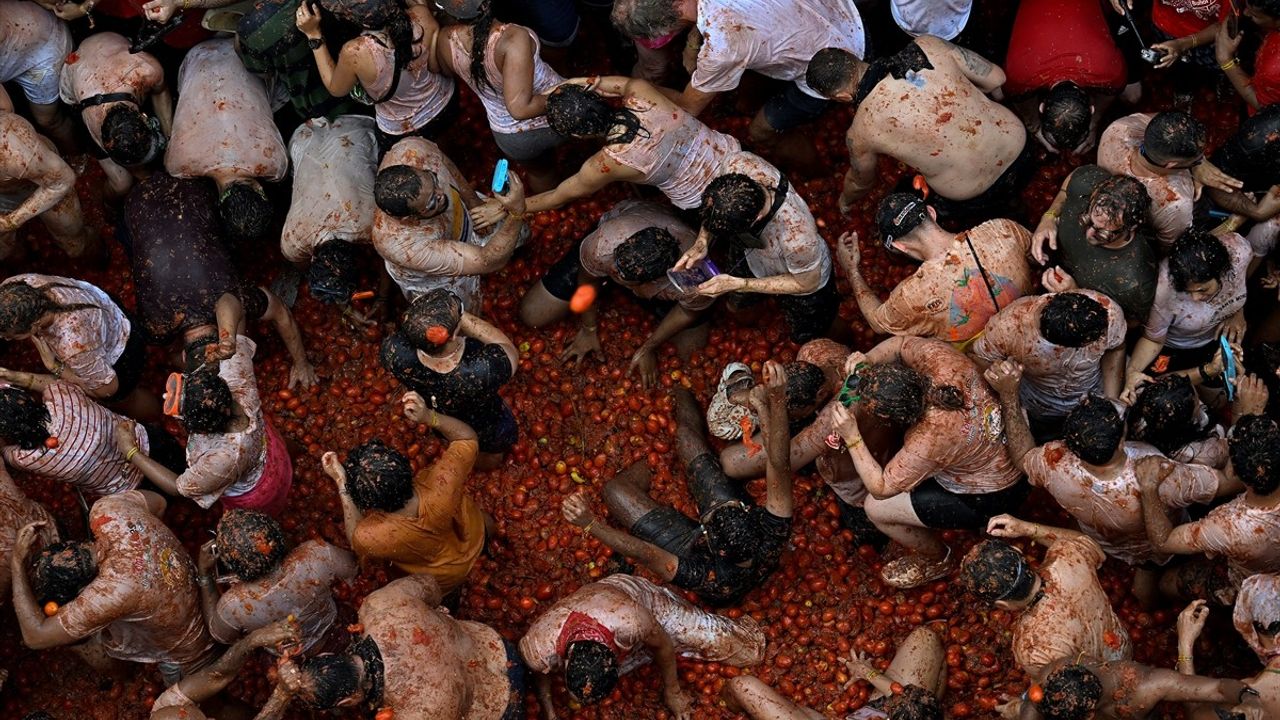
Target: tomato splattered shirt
{"points": [[144, 599], [1109, 510], [1247, 536], [948, 299], [88, 340], [1181, 322], [1074, 618], [1054, 378], [334, 164], [16, 511], [103, 64], [86, 456], [617, 226], [1173, 196]]}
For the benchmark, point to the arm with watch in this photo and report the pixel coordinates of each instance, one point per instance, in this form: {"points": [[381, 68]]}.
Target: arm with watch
{"points": [[206, 568]]}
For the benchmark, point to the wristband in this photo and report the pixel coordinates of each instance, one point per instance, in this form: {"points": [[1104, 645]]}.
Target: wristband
{"points": [[587, 530], [128, 457], [1050, 214], [589, 328], [1228, 64], [315, 43], [872, 672]]}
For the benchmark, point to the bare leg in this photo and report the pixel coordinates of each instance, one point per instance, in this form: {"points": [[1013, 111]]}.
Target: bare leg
{"points": [[921, 660], [539, 308], [761, 702], [792, 148], [1146, 586], [691, 441], [686, 342], [66, 224], [627, 495], [896, 518], [540, 173]]}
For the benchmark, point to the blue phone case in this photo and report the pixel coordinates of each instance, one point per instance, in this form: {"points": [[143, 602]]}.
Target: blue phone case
{"points": [[499, 184], [1228, 368]]}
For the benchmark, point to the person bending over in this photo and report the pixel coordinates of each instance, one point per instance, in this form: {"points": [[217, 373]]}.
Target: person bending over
{"points": [[36, 182], [735, 544], [181, 701]]}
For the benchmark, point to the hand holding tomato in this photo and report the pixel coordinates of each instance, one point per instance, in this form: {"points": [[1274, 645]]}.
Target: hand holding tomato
{"points": [[26, 537]]}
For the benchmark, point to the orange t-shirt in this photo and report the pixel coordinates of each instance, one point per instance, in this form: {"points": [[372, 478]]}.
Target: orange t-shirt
{"points": [[447, 535]]}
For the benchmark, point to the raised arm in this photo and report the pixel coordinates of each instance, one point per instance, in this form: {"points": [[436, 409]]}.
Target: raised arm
{"points": [[850, 257], [38, 632], [213, 679], [982, 72], [493, 255], [488, 333], [52, 176], [351, 515], [1005, 377], [206, 567], [770, 403], [863, 165], [1008, 526]]}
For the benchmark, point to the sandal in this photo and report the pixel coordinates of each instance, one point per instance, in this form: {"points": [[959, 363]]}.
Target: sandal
{"points": [[914, 571]]}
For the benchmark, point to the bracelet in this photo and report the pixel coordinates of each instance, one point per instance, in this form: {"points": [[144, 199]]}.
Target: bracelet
{"points": [[857, 442], [204, 581], [872, 672], [1050, 214], [128, 457], [1184, 659], [593, 82], [589, 328], [435, 420], [1228, 64], [186, 5], [587, 530]]}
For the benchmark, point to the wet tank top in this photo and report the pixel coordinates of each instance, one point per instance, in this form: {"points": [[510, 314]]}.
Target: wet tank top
{"points": [[500, 121], [420, 96]]}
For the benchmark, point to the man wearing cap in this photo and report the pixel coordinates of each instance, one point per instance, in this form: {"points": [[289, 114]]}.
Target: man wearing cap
{"points": [[926, 106], [728, 37], [963, 279]]}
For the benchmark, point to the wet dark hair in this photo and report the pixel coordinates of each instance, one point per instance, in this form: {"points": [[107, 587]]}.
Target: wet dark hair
{"points": [[805, 382], [1270, 8], [62, 570], [913, 703], [481, 26], [395, 188], [574, 111], [1254, 446], [1071, 692], [378, 477], [898, 215], [126, 136], [24, 419], [334, 272], [246, 211], [333, 679], [645, 18], [1164, 414], [22, 305], [1072, 319], [194, 352], [731, 534], [994, 570], [207, 403], [731, 203], [250, 543], [1122, 197], [1197, 257], [590, 671], [438, 307], [646, 255], [829, 70], [1093, 430], [1173, 136], [897, 393], [1064, 121]]}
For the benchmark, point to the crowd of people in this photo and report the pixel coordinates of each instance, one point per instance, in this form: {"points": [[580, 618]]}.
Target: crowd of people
{"points": [[1112, 359]]}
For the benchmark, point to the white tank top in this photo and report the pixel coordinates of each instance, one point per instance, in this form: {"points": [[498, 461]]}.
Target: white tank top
{"points": [[500, 121]]}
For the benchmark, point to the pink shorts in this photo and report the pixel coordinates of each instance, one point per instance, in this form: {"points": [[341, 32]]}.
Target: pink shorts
{"points": [[271, 494]]}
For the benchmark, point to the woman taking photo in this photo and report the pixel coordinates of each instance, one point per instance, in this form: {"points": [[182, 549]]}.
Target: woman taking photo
{"points": [[501, 65], [456, 362], [389, 65]]}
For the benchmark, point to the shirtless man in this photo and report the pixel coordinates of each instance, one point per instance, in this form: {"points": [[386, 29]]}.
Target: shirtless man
{"points": [[33, 47], [415, 660], [949, 298], [1122, 690], [728, 38], [423, 230], [634, 245], [269, 582], [610, 627], [36, 182], [1257, 618], [1063, 612], [1165, 152], [331, 212], [181, 701], [108, 86], [1245, 530], [926, 106], [133, 587], [753, 208], [223, 130], [1068, 344]]}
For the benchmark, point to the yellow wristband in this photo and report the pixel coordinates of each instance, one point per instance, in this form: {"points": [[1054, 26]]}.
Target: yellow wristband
{"points": [[1228, 64], [1050, 214], [587, 530], [128, 457]]}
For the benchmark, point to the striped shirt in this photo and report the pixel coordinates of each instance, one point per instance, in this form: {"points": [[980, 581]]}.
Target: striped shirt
{"points": [[86, 455]]}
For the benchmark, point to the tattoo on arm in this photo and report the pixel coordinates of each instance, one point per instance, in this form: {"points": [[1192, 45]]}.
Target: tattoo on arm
{"points": [[976, 64]]}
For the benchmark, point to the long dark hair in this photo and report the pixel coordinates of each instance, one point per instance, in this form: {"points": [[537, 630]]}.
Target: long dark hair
{"points": [[480, 29], [400, 28], [22, 305], [573, 110]]}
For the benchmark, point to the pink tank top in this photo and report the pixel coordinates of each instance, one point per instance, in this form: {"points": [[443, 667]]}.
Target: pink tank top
{"points": [[421, 95], [500, 121], [678, 154]]}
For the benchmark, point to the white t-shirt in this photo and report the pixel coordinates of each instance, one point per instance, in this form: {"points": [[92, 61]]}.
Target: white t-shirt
{"points": [[940, 18], [776, 38], [1181, 322], [334, 165]]}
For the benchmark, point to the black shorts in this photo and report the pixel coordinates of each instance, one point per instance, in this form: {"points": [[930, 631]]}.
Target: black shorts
{"points": [[941, 509], [129, 366], [810, 316], [561, 279], [709, 486], [998, 201], [669, 529], [500, 435], [430, 131], [792, 107], [1183, 359], [518, 679]]}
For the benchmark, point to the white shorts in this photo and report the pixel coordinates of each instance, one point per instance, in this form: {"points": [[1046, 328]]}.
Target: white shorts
{"points": [[40, 79]]}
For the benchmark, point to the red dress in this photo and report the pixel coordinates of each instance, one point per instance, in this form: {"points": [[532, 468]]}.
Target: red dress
{"points": [[1180, 18], [1059, 40], [1266, 71]]}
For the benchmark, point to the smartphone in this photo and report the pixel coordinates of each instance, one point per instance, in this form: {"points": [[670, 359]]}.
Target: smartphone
{"points": [[687, 281], [499, 184], [1151, 55], [1228, 367]]}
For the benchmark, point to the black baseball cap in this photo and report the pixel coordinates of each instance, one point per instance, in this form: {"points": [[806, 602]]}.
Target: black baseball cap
{"points": [[898, 215]]}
